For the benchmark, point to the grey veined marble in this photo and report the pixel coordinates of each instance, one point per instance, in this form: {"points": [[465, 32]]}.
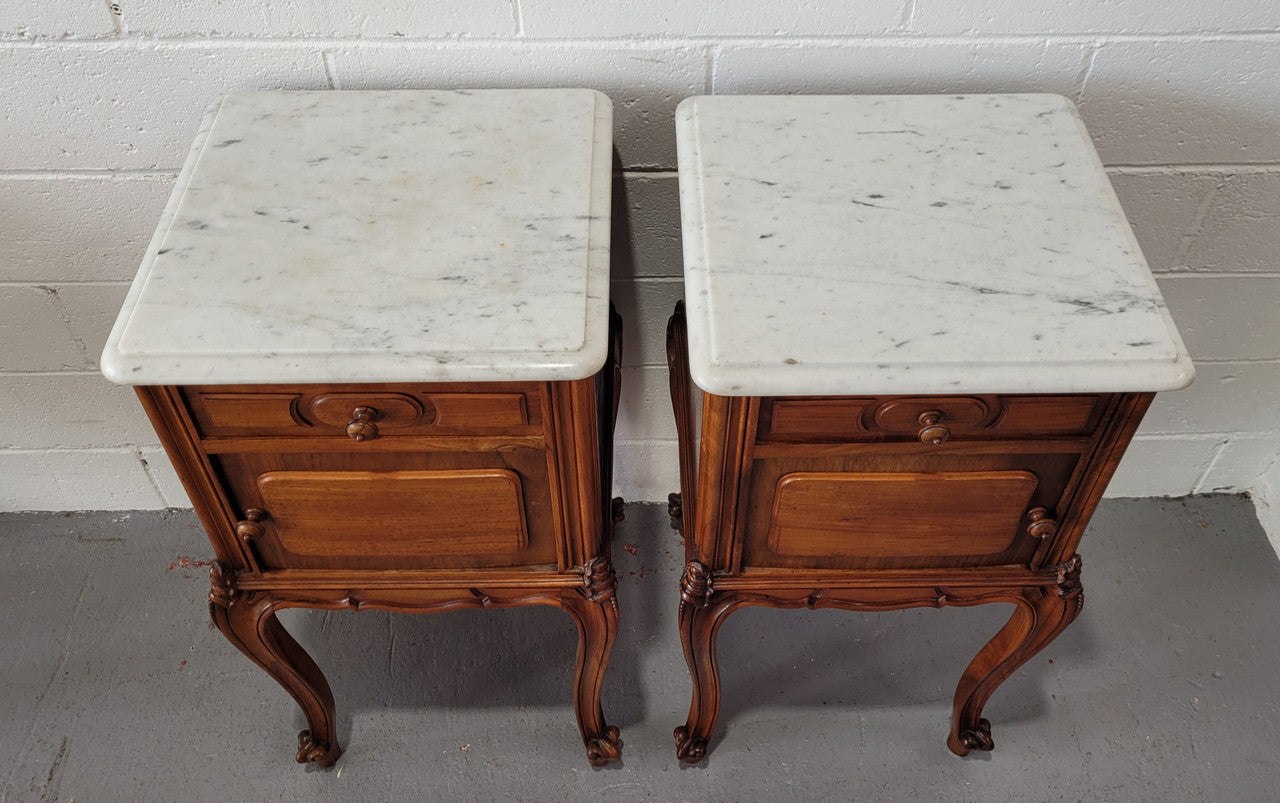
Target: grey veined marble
{"points": [[911, 244], [379, 237]]}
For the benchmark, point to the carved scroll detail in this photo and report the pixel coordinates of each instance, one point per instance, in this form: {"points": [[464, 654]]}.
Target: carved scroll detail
{"points": [[689, 749], [606, 748], [222, 584], [695, 585], [312, 749], [1067, 576], [599, 580], [978, 738]]}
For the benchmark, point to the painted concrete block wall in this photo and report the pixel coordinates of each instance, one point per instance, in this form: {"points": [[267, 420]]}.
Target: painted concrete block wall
{"points": [[1266, 500], [100, 100]]}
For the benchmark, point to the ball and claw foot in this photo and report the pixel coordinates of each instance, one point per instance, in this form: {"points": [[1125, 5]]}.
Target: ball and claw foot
{"points": [[688, 749], [313, 750], [978, 738], [605, 749]]}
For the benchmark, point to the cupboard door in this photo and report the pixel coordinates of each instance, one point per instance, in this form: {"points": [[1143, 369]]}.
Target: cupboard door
{"points": [[396, 510], [900, 510], [899, 514], [396, 514]]}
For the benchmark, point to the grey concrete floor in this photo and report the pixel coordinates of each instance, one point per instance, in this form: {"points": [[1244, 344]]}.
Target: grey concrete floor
{"points": [[113, 686]]}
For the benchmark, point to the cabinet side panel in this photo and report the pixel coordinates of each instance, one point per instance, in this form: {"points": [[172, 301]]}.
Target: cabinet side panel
{"points": [[177, 432]]}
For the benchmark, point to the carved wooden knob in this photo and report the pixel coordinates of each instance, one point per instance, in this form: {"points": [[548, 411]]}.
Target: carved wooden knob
{"points": [[1040, 524], [361, 426], [932, 431], [251, 527]]}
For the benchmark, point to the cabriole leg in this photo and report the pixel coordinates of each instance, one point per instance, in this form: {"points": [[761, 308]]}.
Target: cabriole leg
{"points": [[249, 622], [1042, 614], [702, 611], [594, 610]]}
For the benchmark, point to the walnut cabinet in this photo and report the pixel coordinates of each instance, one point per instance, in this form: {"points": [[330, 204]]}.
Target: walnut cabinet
{"points": [[885, 502], [402, 497]]}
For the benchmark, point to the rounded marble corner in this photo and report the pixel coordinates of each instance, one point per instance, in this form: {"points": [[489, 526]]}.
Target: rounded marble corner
{"points": [[713, 379], [686, 124], [687, 107], [603, 102], [115, 368], [1183, 373], [586, 361]]}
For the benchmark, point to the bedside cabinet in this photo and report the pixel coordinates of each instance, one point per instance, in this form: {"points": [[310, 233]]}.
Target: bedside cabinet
{"points": [[373, 334], [920, 336]]}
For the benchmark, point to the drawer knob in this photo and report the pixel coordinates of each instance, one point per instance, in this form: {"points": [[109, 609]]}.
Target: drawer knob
{"points": [[361, 426], [251, 527], [1040, 524], [932, 430]]}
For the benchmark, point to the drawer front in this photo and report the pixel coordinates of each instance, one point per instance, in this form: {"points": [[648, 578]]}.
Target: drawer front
{"points": [[927, 419], [907, 510], [365, 412], [411, 510]]}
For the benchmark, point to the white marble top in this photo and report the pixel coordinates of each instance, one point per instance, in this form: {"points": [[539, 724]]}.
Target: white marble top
{"points": [[911, 244], [379, 237]]}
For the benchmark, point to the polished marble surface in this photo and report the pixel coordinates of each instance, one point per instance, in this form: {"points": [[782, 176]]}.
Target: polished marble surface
{"points": [[379, 236], [911, 244]]}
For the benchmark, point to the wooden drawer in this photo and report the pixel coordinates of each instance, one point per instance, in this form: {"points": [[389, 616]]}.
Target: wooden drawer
{"points": [[365, 412], [927, 419]]}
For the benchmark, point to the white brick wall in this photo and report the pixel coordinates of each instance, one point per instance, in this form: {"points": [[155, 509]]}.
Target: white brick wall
{"points": [[645, 80], [98, 107], [77, 228], [312, 19]]}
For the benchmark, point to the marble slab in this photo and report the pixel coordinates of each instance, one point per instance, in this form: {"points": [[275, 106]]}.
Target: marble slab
{"points": [[911, 244], [379, 236]]}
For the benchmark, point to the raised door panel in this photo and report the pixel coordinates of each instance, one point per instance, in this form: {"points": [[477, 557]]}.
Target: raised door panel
{"points": [[885, 515], [397, 510], [404, 514], [858, 511]]}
